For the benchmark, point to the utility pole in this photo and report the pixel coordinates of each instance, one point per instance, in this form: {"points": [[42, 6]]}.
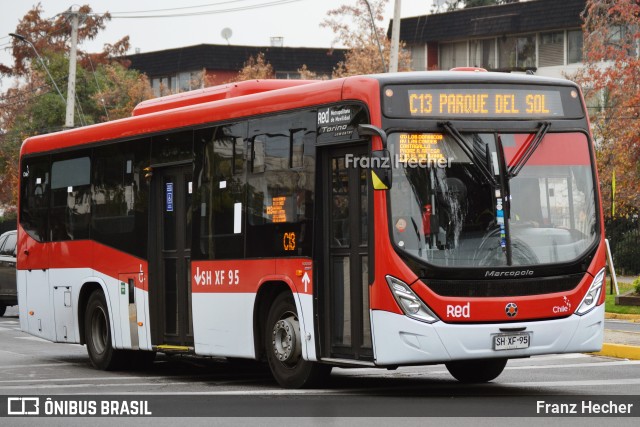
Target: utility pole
{"points": [[71, 85], [395, 38]]}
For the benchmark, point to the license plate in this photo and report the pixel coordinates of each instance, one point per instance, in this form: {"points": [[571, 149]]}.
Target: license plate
{"points": [[511, 341]]}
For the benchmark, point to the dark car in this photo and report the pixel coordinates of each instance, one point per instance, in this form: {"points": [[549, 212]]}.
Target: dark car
{"points": [[8, 290]]}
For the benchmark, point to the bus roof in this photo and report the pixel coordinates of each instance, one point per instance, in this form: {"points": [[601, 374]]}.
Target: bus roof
{"points": [[234, 101], [215, 93], [176, 112]]}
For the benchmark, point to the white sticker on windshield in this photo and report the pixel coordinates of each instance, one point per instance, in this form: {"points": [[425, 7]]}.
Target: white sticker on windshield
{"points": [[496, 167]]}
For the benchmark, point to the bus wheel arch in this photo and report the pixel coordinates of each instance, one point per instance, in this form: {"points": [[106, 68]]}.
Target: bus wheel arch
{"points": [[85, 293], [98, 333], [265, 297], [283, 346]]}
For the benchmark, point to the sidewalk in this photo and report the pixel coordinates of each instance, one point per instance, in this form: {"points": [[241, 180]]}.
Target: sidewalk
{"points": [[621, 344]]}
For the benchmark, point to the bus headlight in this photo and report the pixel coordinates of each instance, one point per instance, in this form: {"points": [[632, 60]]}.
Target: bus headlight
{"points": [[411, 305], [593, 295]]}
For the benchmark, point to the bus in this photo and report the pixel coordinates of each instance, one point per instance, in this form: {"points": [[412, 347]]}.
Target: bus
{"points": [[373, 221]]}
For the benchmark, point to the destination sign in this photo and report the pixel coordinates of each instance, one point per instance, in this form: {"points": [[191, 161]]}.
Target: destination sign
{"points": [[420, 147], [489, 102]]}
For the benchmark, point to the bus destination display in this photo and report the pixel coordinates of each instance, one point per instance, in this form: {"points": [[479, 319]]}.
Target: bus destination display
{"points": [[490, 102]]}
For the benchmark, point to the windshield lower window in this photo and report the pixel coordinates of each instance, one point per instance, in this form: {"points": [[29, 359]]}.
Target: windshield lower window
{"points": [[458, 205]]}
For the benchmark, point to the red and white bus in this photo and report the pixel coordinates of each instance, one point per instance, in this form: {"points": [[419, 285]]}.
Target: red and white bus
{"points": [[380, 221]]}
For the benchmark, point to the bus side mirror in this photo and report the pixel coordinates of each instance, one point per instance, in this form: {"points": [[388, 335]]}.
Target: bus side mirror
{"points": [[381, 173], [380, 159]]}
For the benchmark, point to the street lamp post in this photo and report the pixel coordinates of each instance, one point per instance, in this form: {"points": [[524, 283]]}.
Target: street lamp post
{"points": [[24, 39]]}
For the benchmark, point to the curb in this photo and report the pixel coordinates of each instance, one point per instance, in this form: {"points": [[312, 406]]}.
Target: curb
{"points": [[631, 317], [621, 351]]}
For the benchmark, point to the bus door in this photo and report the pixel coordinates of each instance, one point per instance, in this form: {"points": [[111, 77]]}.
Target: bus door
{"points": [[346, 204], [170, 266]]}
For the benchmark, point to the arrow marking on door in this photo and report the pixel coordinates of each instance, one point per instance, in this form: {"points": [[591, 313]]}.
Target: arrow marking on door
{"points": [[305, 280]]}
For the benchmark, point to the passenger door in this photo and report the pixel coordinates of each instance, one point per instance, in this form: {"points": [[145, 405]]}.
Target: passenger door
{"points": [[170, 285], [345, 277]]}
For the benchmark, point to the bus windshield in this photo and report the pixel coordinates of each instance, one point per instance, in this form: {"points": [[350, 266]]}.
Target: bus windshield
{"points": [[454, 203]]}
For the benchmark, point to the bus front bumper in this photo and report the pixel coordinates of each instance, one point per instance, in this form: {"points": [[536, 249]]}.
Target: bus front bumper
{"points": [[401, 340]]}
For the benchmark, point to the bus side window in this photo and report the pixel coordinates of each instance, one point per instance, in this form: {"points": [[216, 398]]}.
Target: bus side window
{"points": [[120, 196], [280, 184], [34, 193], [220, 188], [69, 216]]}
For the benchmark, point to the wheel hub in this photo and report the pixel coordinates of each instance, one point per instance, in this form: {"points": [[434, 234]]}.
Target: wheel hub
{"points": [[286, 340]]}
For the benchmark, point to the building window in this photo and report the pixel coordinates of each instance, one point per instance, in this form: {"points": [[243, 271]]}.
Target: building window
{"points": [[189, 80], [288, 75], [418, 57], [482, 53], [453, 55], [161, 86], [517, 52], [574, 46], [551, 49]]}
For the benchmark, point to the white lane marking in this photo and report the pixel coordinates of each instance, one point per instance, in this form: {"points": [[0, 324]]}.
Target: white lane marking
{"points": [[576, 383], [39, 365], [421, 373], [166, 379], [4, 329], [275, 392], [90, 385], [39, 380]]}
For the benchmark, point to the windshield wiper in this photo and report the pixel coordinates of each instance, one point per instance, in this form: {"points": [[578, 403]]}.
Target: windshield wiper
{"points": [[477, 161], [527, 150]]}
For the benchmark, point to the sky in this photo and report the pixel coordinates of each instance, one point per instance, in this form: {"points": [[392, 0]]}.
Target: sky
{"points": [[297, 21]]}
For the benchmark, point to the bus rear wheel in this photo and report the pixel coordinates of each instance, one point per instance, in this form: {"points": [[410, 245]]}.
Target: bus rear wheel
{"points": [[476, 371], [97, 332], [283, 345]]}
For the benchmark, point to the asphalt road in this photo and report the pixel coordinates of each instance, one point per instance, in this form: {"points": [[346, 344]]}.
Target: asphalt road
{"points": [[31, 366], [622, 325]]}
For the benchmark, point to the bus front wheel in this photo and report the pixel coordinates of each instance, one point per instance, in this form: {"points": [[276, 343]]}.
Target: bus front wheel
{"points": [[476, 371], [97, 332], [283, 345]]}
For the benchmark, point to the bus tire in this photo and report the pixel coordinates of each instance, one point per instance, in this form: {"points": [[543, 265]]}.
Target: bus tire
{"points": [[3, 308], [283, 346], [98, 335], [476, 371]]}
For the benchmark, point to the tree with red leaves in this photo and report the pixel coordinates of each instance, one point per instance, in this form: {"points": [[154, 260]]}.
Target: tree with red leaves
{"points": [[105, 88], [352, 25], [610, 78]]}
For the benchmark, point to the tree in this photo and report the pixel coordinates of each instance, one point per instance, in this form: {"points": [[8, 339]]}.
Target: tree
{"points": [[352, 26], [610, 79], [256, 68], [105, 88], [49, 36]]}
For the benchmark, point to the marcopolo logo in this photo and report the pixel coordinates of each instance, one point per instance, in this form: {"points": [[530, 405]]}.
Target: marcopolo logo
{"points": [[514, 273]]}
